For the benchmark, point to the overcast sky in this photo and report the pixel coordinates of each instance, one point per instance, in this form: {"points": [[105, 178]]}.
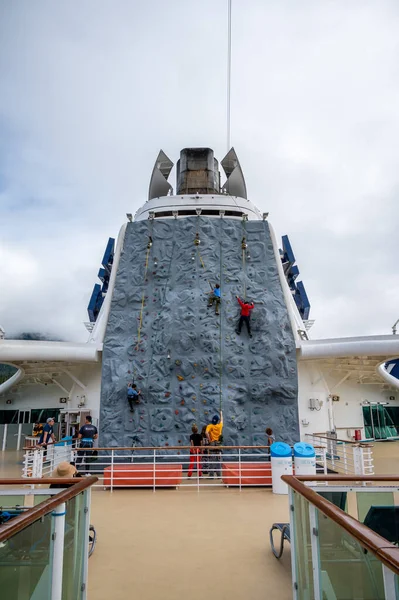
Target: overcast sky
{"points": [[91, 90]]}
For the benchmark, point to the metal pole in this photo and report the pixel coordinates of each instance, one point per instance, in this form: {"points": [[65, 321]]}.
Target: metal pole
{"points": [[389, 583], [112, 470], [345, 460], [293, 543], [228, 72], [153, 471], [239, 466], [85, 555], [58, 551], [4, 437], [314, 537], [19, 436]]}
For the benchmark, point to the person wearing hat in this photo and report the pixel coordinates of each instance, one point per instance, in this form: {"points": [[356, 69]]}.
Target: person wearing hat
{"points": [[64, 471], [214, 433], [47, 434]]}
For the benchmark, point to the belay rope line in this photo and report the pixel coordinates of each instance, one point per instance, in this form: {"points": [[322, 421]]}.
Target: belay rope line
{"points": [[197, 243], [147, 256], [244, 250], [220, 325], [143, 295]]}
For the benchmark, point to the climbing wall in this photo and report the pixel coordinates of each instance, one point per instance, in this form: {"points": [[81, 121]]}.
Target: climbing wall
{"points": [[187, 361]]}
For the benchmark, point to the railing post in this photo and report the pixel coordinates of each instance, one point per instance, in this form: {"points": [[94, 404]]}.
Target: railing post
{"points": [[389, 583], [293, 543], [112, 471], [239, 466], [153, 470], [314, 537], [85, 558], [26, 463], [345, 460], [4, 437], [358, 460], [198, 458], [324, 451], [58, 551], [19, 437]]}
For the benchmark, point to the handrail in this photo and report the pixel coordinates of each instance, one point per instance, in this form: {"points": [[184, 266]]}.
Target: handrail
{"points": [[163, 448], [25, 519], [52, 443], [386, 552], [333, 439]]}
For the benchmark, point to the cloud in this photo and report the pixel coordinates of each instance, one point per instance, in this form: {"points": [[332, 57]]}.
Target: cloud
{"points": [[90, 93]]}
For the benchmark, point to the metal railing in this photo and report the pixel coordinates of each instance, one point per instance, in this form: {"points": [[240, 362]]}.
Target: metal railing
{"points": [[333, 554], [44, 547], [164, 467], [41, 462], [343, 456]]}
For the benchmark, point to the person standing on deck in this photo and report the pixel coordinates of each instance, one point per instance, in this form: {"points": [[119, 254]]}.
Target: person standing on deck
{"points": [[195, 448], [47, 434], [87, 434], [245, 316], [214, 432], [271, 438], [215, 298], [205, 451]]}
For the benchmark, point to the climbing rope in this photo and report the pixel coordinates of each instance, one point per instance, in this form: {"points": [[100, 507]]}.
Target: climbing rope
{"points": [[197, 242], [149, 246], [220, 326], [244, 246]]}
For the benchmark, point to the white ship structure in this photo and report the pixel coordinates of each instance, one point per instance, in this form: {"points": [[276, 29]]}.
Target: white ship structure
{"points": [[150, 323]]}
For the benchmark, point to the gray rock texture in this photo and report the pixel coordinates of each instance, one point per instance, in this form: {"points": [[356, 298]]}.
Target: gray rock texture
{"points": [[210, 366]]}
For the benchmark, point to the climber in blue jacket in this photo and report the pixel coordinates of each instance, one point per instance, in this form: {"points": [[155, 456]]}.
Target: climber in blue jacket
{"points": [[133, 395], [215, 298]]}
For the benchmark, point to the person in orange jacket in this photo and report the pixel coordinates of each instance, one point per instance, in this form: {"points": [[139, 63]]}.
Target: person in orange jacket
{"points": [[245, 316]]}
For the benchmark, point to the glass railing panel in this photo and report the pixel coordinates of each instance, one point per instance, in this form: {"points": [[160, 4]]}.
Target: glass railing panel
{"points": [[25, 562], [302, 548], [75, 551], [346, 569], [365, 500]]}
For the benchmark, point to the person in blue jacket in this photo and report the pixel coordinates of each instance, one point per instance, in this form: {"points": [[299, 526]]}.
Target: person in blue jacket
{"points": [[133, 395], [215, 298]]}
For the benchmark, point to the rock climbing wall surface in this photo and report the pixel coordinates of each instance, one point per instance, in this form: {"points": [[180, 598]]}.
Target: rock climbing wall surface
{"points": [[254, 380]]}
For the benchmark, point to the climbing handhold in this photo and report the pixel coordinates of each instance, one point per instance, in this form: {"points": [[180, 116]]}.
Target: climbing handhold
{"points": [[178, 362], [167, 394], [182, 402], [176, 412], [180, 378]]}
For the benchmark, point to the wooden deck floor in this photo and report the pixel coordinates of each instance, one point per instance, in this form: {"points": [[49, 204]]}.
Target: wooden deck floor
{"points": [[183, 544]]}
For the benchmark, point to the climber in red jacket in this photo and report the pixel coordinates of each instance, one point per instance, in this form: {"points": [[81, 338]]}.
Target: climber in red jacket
{"points": [[245, 316]]}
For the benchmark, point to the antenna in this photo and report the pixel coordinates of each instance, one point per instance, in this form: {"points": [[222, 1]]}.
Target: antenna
{"points": [[228, 71]]}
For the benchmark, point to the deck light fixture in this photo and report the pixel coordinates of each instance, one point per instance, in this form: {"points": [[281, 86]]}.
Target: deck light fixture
{"points": [[198, 211], [151, 215], [244, 217], [175, 213], [129, 216], [265, 215], [222, 213]]}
